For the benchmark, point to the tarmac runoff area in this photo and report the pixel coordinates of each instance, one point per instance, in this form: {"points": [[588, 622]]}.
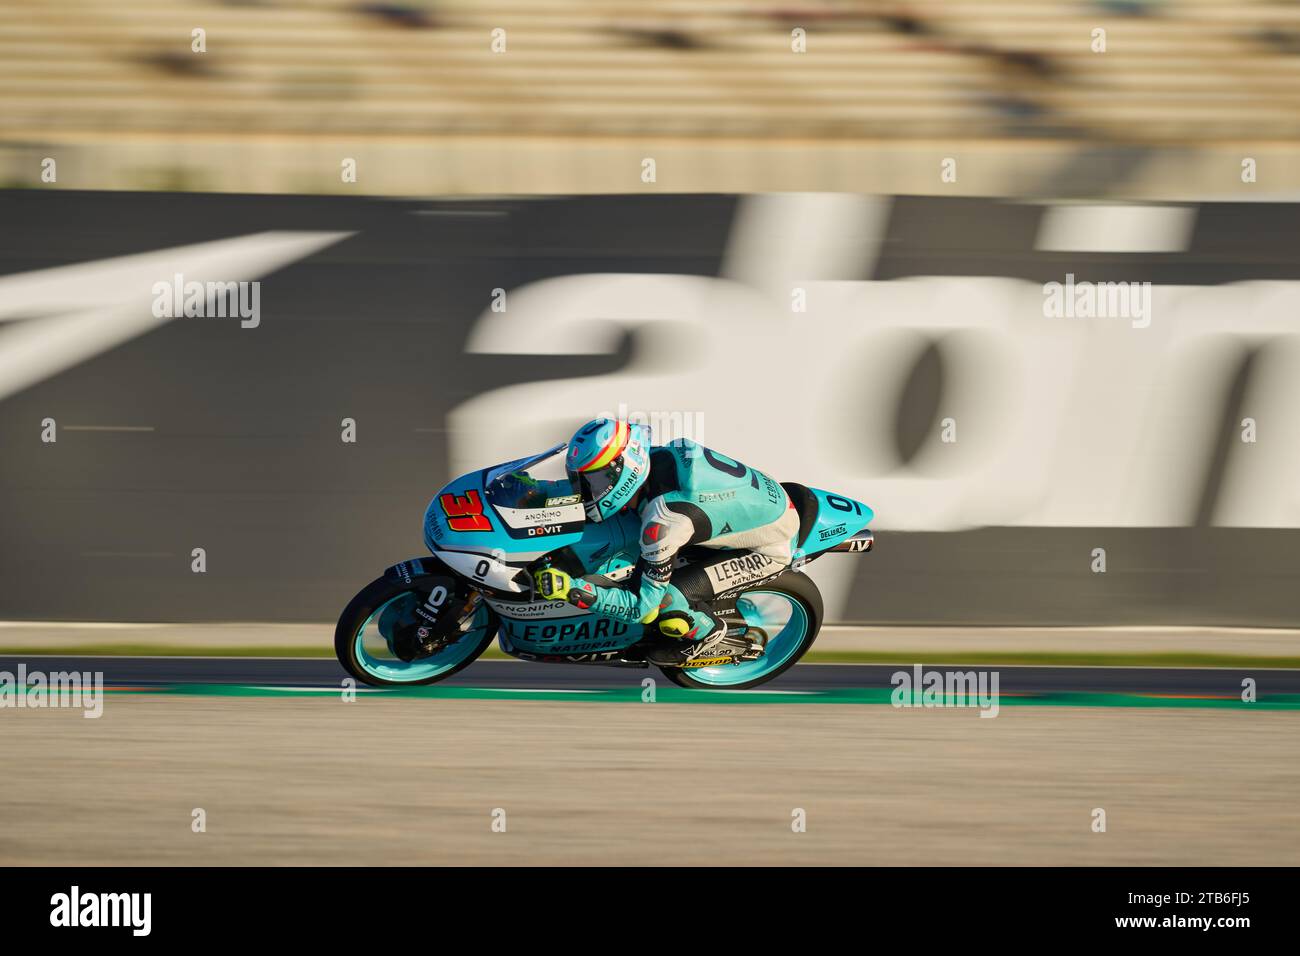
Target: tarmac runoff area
{"points": [[391, 780], [33, 681]]}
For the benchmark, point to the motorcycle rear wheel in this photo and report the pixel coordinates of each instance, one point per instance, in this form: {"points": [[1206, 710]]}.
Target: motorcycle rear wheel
{"points": [[790, 609]]}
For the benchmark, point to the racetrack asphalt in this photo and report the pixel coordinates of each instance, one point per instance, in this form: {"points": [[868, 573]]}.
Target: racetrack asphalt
{"points": [[324, 673]]}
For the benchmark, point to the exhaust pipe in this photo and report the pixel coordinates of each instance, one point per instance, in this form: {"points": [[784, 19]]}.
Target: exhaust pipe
{"points": [[864, 540]]}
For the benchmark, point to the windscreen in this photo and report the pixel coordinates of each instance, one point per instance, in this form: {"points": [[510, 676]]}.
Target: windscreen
{"points": [[532, 483]]}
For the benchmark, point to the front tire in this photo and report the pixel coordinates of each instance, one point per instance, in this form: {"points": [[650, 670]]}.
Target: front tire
{"points": [[790, 608], [360, 647]]}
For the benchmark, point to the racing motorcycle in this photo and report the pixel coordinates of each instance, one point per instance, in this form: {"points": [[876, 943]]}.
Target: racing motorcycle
{"points": [[488, 531]]}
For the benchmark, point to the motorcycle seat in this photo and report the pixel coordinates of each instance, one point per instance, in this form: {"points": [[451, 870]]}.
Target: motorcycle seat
{"points": [[805, 502]]}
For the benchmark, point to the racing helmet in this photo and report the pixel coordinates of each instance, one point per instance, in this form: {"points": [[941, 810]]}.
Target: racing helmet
{"points": [[608, 461]]}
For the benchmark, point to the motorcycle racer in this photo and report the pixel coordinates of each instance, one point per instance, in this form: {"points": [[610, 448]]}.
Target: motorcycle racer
{"points": [[683, 495]]}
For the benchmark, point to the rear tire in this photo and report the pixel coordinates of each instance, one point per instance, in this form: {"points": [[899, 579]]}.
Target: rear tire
{"points": [[362, 608], [798, 588]]}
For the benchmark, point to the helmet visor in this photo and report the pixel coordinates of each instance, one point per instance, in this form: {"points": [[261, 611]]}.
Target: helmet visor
{"points": [[594, 485]]}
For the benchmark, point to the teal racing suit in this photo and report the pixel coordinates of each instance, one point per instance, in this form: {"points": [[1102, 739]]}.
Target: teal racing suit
{"points": [[695, 496]]}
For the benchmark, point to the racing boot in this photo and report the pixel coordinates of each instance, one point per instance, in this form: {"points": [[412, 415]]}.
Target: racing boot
{"points": [[694, 635]]}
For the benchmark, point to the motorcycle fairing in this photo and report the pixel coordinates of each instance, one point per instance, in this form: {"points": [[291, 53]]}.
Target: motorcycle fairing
{"points": [[545, 629], [491, 525], [509, 515], [838, 519]]}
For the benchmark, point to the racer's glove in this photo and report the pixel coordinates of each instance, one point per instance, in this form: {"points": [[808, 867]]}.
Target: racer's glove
{"points": [[555, 585], [552, 584]]}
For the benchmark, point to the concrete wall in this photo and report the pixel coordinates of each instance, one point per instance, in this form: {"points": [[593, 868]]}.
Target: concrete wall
{"points": [[197, 433]]}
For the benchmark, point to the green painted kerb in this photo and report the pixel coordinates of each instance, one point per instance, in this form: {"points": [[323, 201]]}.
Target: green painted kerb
{"points": [[680, 695]]}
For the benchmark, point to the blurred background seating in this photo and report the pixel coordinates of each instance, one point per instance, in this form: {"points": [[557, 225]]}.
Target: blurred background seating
{"points": [[1174, 72]]}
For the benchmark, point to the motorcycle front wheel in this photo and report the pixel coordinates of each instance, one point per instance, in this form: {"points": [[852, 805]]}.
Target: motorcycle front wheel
{"points": [[366, 652]]}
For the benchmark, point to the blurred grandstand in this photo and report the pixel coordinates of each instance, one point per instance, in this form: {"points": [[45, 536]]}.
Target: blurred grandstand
{"points": [[710, 88]]}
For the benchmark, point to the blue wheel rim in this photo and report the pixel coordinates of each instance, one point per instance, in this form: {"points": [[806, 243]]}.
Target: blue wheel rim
{"points": [[786, 623], [386, 666]]}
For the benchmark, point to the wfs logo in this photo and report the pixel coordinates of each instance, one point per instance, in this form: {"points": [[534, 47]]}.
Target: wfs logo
{"points": [[103, 909]]}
